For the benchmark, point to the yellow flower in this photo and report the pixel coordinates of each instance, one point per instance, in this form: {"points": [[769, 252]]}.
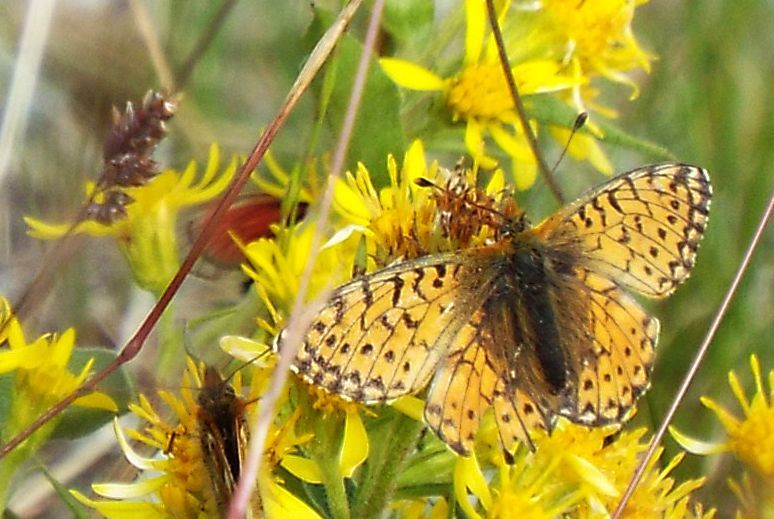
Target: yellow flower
{"points": [[148, 234], [354, 444], [41, 379], [750, 439], [478, 94], [574, 472], [277, 269], [594, 38], [408, 218], [178, 480], [401, 220]]}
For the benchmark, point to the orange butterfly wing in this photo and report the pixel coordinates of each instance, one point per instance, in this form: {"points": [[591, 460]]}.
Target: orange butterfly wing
{"points": [[641, 229], [381, 336]]}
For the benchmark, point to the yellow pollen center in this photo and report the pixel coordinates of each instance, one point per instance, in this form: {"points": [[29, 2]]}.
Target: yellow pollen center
{"points": [[480, 92]]}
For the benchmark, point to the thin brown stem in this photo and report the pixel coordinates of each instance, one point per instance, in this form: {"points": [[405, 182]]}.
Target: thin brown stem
{"points": [[150, 37], [186, 69], [519, 104]]}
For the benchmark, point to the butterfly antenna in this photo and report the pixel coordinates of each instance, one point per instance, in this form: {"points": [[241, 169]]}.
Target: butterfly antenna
{"points": [[246, 363], [579, 122]]}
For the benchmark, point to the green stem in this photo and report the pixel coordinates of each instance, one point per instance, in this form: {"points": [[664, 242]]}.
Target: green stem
{"points": [[385, 463], [328, 435], [338, 504]]}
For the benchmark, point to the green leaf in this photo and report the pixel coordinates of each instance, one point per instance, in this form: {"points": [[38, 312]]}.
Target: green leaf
{"points": [[78, 421], [409, 22], [378, 131], [618, 137], [79, 511]]}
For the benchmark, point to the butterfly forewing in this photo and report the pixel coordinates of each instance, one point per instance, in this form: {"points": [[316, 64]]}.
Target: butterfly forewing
{"points": [[381, 336], [641, 229]]}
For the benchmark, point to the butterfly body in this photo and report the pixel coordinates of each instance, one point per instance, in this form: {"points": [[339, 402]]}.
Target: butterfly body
{"points": [[222, 422], [536, 325], [223, 439]]}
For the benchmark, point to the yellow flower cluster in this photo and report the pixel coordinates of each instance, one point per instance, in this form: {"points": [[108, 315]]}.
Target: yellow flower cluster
{"points": [[557, 47], [41, 377]]}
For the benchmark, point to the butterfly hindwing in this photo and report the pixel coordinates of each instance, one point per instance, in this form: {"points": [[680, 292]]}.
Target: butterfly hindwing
{"points": [[485, 367], [613, 349]]}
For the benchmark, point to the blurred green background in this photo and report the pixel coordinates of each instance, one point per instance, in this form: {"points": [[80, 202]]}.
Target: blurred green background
{"points": [[708, 99]]}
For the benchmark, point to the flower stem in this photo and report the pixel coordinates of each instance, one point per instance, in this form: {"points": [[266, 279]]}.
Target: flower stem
{"points": [[388, 455], [338, 504], [328, 435]]}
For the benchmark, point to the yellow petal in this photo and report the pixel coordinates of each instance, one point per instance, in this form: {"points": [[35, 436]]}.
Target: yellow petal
{"points": [[303, 468], [496, 183], [97, 400], [410, 75], [695, 446], [122, 509], [354, 447], [729, 421], [411, 406], [592, 475], [468, 475], [141, 487], [129, 453], [349, 203], [414, 165], [47, 231], [11, 360], [515, 145], [247, 350], [475, 25], [525, 175], [738, 391], [474, 142], [279, 503]]}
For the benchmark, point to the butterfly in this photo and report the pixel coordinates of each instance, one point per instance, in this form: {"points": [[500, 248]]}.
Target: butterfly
{"points": [[248, 219], [538, 324], [223, 439]]}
